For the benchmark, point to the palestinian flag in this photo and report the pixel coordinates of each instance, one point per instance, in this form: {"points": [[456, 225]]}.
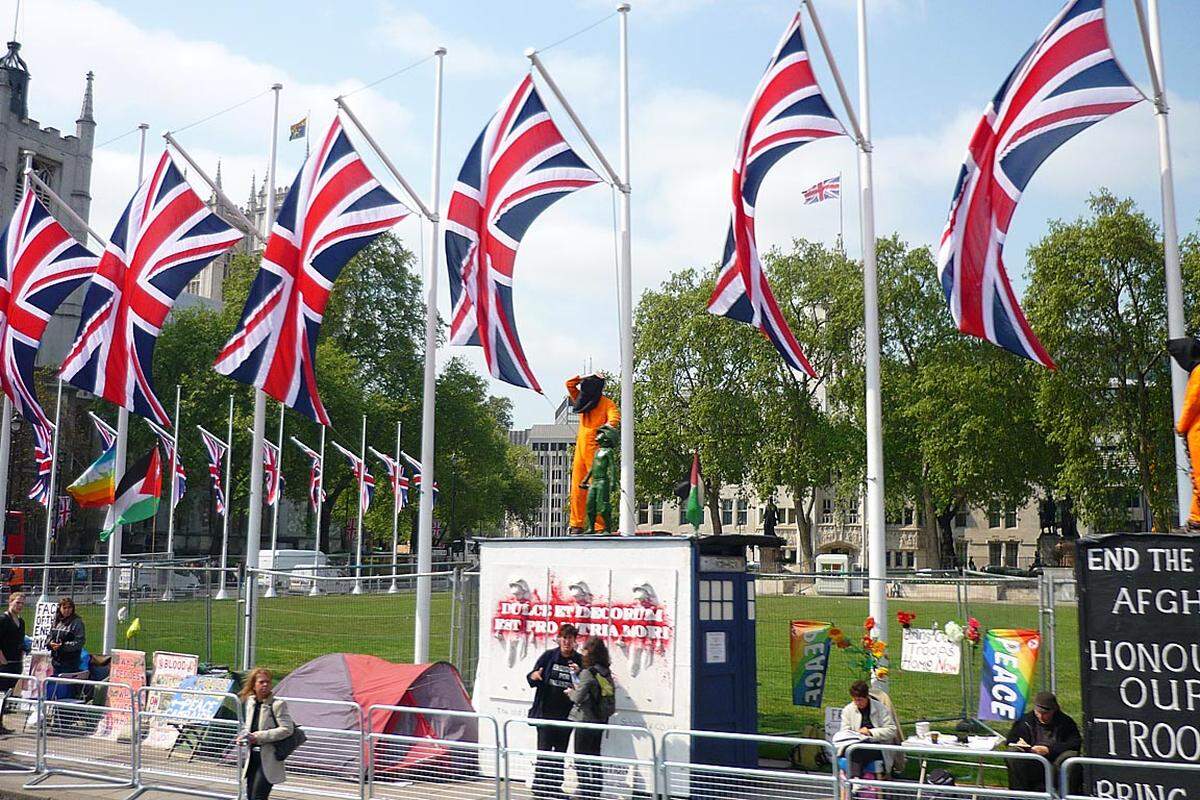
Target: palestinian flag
{"points": [[695, 498], [94, 488], [137, 496]]}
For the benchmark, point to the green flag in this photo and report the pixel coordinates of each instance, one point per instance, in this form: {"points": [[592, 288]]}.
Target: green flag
{"points": [[137, 496], [695, 499]]}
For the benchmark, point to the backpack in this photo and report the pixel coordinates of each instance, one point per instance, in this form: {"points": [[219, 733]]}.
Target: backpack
{"points": [[606, 702]]}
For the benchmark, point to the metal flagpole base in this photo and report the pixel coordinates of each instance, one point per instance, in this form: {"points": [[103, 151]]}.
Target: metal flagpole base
{"points": [[270, 592], [168, 595], [222, 594], [315, 590], [357, 588], [44, 598], [393, 589]]}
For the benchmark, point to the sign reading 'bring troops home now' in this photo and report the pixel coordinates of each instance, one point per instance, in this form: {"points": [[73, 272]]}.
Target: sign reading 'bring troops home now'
{"points": [[1139, 614]]}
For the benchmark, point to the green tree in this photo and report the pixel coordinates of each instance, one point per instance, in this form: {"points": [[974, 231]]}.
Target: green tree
{"points": [[1097, 300]]}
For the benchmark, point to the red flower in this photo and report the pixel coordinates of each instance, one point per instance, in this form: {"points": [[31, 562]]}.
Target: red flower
{"points": [[869, 624], [973, 633], [905, 618]]}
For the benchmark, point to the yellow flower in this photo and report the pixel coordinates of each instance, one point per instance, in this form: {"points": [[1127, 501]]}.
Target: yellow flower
{"points": [[878, 648], [881, 674]]}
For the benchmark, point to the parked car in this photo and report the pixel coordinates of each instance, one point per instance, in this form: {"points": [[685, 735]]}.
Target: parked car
{"points": [[330, 580], [155, 580]]}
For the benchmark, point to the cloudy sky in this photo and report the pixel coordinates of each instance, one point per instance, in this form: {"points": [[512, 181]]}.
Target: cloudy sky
{"points": [[694, 63]]}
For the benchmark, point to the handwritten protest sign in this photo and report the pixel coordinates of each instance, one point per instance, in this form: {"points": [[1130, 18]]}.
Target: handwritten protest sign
{"points": [[928, 650], [170, 671], [127, 667]]}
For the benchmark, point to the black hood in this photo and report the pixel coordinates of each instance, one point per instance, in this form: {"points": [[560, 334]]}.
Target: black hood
{"points": [[1186, 352], [591, 389]]}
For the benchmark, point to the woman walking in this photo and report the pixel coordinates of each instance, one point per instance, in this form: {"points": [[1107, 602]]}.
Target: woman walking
{"points": [[595, 700], [267, 723]]}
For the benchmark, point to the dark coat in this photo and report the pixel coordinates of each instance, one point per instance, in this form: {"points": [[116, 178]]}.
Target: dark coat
{"points": [[1062, 732], [550, 700]]}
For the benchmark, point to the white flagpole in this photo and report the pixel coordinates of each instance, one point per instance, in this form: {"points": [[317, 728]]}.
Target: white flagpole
{"points": [[876, 538], [223, 593], [169, 593], [111, 586], [393, 588], [6, 416], [254, 526], [315, 589], [362, 473], [51, 501], [1152, 43], [275, 511], [841, 218], [422, 623], [628, 515]]}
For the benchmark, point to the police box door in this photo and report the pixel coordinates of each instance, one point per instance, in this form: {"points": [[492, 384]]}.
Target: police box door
{"points": [[725, 681]]}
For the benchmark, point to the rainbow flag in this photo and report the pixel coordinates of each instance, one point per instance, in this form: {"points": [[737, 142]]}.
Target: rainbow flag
{"points": [[1009, 659], [97, 485], [810, 660]]}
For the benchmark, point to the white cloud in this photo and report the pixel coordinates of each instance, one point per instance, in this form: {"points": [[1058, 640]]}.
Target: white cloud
{"points": [[415, 35]]}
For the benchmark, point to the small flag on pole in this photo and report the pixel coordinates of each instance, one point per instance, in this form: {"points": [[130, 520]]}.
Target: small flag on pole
{"points": [[828, 189], [695, 500], [137, 496], [64, 513], [298, 130], [94, 488]]}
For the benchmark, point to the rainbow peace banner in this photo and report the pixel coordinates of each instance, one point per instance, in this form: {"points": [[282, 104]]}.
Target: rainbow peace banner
{"points": [[1009, 659], [810, 659]]}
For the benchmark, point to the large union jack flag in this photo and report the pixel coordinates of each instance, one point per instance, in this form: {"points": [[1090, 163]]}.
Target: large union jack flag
{"points": [[40, 264], [316, 491], [517, 168], [787, 111], [165, 237], [215, 448], [271, 474], [168, 445], [366, 481], [415, 466], [1068, 81], [396, 477], [334, 208]]}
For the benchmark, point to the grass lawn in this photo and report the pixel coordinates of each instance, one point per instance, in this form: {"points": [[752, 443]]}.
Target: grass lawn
{"points": [[295, 629]]}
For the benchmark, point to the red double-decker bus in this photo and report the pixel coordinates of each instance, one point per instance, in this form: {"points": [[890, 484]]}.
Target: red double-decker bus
{"points": [[13, 575]]}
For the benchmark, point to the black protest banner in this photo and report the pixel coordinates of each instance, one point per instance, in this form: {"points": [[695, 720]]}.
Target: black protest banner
{"points": [[1139, 631]]}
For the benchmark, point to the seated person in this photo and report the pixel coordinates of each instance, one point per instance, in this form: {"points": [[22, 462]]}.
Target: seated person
{"points": [[1049, 733], [872, 719]]}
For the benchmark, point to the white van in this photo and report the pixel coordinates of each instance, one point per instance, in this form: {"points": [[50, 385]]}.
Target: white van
{"points": [[282, 562]]}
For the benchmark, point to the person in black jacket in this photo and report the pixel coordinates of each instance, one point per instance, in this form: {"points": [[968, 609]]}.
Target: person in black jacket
{"points": [[552, 675], [12, 648], [66, 638], [1047, 732]]}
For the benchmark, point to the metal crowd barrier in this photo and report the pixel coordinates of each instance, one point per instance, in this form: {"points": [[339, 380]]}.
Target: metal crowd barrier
{"points": [[906, 790], [182, 749], [412, 756], [628, 771], [684, 778], [23, 702], [323, 765], [1113, 791], [82, 740]]}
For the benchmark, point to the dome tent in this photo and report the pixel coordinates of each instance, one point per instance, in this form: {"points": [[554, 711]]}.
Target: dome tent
{"points": [[369, 680]]}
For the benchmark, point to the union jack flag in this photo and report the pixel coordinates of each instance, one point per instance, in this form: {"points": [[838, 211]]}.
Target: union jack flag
{"points": [[40, 264], [165, 237], [271, 476], [828, 189], [334, 208], [107, 432], [215, 448], [1068, 81], [168, 445], [63, 515], [518, 167], [415, 466], [316, 491], [396, 477], [366, 481], [787, 111]]}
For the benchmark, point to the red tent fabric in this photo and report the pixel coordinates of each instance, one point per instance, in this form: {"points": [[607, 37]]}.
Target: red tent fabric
{"points": [[369, 680]]}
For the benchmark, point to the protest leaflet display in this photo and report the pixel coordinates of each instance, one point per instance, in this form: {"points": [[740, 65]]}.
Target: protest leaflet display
{"points": [[1006, 678], [810, 660], [929, 650], [126, 667], [43, 621], [1139, 597], [170, 670]]}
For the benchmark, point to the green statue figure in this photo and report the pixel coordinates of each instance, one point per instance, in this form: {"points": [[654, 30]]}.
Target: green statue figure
{"points": [[601, 479]]}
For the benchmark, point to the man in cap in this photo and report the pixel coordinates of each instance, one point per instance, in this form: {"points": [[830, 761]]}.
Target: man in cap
{"points": [[556, 671], [1046, 731]]}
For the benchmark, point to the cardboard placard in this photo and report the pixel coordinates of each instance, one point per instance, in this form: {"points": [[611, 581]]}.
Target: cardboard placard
{"points": [[929, 650], [43, 621], [1139, 595], [170, 670], [127, 667]]}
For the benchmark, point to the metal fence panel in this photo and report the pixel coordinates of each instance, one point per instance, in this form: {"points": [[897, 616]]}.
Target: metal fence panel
{"points": [[627, 770], [1074, 784], [684, 778], [417, 753], [331, 762], [19, 748], [181, 751], [963, 759], [70, 736]]}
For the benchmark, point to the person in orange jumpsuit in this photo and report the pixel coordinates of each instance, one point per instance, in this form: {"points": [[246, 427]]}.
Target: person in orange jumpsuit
{"points": [[1186, 352], [594, 409]]}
